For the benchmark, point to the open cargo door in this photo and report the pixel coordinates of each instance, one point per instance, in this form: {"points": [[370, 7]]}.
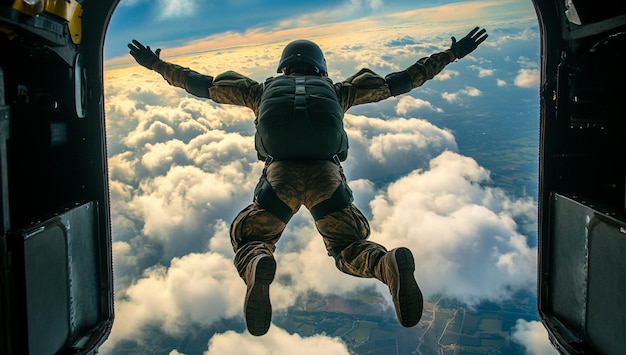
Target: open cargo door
{"points": [[55, 243]]}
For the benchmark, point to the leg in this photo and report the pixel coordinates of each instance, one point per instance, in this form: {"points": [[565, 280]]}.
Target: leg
{"points": [[345, 233], [254, 234], [354, 255], [344, 228]]}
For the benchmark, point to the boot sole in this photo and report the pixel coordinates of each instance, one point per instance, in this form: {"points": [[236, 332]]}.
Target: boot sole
{"points": [[409, 297], [257, 307]]}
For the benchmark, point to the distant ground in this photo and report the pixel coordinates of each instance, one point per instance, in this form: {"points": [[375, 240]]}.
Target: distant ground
{"points": [[368, 329]]}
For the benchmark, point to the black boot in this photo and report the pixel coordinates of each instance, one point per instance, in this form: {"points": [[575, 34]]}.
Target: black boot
{"points": [[257, 307], [395, 269]]}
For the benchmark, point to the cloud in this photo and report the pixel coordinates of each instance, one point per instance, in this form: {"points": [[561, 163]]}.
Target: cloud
{"points": [[500, 82], [527, 78], [157, 131], [502, 36], [176, 166], [122, 167], [446, 74], [526, 62], [373, 4], [533, 337], [482, 72], [456, 96], [464, 236], [450, 97], [409, 103], [178, 209], [275, 342], [391, 148], [176, 8], [403, 41], [197, 289]]}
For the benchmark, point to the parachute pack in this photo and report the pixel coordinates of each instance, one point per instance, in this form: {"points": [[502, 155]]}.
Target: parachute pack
{"points": [[300, 118]]}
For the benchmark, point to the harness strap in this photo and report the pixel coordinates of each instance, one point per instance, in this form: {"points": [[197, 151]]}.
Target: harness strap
{"points": [[341, 198], [300, 98]]}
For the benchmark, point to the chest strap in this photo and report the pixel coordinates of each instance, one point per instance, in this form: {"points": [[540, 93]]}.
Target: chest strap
{"points": [[300, 100]]}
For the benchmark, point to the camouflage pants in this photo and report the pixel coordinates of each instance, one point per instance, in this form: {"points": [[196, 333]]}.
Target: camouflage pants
{"points": [[256, 231]]}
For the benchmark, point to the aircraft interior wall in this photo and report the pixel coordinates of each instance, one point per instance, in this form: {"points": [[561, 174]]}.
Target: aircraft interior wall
{"points": [[55, 246]]}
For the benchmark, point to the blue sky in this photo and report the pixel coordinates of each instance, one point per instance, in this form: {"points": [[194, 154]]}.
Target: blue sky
{"points": [[421, 164], [170, 23], [165, 21]]}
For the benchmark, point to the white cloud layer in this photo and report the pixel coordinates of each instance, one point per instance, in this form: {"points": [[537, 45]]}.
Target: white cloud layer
{"points": [[463, 235], [275, 342]]}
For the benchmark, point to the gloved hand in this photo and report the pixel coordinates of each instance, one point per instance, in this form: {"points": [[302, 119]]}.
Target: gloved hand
{"points": [[144, 55], [468, 43]]}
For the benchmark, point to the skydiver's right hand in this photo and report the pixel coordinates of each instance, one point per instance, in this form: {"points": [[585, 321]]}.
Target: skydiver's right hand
{"points": [[144, 55]]}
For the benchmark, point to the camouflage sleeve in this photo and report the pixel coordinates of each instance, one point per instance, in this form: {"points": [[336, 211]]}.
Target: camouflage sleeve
{"points": [[361, 88], [173, 73], [227, 88], [367, 86], [193, 82], [236, 89], [426, 68]]}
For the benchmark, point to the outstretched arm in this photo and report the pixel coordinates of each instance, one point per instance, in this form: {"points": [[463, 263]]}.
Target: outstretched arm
{"points": [[367, 86], [426, 68], [195, 83]]}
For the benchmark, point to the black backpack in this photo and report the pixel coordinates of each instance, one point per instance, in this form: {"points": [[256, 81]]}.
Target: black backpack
{"points": [[300, 118]]}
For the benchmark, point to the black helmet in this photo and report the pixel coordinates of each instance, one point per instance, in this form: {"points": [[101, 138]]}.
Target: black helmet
{"points": [[305, 51]]}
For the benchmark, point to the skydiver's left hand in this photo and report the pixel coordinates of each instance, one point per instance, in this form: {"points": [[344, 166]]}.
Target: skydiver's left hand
{"points": [[468, 43]]}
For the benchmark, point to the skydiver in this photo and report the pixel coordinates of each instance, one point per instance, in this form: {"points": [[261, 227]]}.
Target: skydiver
{"points": [[303, 164]]}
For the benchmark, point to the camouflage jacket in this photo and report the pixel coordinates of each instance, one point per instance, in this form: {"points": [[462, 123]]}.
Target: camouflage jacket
{"points": [[361, 88]]}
